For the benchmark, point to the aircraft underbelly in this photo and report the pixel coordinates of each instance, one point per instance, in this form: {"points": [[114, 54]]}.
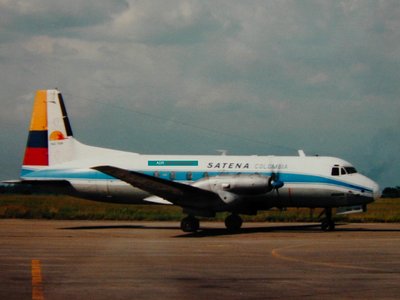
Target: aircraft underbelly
{"points": [[320, 196], [109, 191]]}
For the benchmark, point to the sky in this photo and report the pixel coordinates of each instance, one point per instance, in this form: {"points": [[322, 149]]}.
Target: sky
{"points": [[193, 77]]}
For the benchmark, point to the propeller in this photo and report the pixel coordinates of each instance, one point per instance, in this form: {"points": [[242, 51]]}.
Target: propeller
{"points": [[276, 183]]}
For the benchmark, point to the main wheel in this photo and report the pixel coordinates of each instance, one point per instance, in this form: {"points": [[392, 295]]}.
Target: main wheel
{"points": [[190, 224], [324, 225], [233, 222]]}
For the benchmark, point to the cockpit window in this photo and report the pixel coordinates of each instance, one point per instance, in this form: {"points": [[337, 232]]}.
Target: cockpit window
{"points": [[343, 171], [339, 170], [335, 171], [350, 170]]}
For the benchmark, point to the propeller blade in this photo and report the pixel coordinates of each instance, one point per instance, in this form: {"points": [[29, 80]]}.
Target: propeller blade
{"points": [[276, 183]]}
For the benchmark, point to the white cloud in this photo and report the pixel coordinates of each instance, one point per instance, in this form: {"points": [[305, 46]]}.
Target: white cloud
{"points": [[317, 78], [166, 23], [46, 17], [42, 45]]}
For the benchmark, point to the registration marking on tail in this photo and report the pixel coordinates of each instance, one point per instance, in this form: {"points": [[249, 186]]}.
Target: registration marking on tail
{"points": [[37, 287]]}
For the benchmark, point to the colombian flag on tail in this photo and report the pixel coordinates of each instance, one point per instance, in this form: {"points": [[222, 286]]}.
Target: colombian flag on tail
{"points": [[50, 133], [37, 149]]}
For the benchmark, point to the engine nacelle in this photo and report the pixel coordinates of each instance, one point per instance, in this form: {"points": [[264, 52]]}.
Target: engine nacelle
{"points": [[231, 188]]}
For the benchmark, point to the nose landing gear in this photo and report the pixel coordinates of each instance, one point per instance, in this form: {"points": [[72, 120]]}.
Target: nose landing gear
{"points": [[327, 224]]}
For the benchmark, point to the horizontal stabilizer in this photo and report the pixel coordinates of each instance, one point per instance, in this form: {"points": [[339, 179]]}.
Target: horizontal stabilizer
{"points": [[346, 210], [157, 200], [41, 187]]}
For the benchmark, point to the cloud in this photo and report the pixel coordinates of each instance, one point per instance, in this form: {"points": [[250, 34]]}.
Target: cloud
{"points": [[170, 23], [54, 17]]}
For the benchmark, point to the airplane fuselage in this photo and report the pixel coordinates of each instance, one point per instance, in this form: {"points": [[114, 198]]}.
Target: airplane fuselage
{"points": [[308, 181]]}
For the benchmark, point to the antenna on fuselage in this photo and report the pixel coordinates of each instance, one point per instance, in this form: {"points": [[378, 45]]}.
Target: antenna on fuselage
{"points": [[301, 153], [223, 152]]}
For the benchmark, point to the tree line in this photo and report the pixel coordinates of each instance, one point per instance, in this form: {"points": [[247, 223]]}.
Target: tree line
{"points": [[391, 192]]}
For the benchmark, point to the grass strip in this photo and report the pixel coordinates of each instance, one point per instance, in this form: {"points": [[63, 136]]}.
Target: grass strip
{"points": [[70, 208]]}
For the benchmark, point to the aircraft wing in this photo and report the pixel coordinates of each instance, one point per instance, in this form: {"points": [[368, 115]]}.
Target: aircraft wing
{"points": [[184, 195]]}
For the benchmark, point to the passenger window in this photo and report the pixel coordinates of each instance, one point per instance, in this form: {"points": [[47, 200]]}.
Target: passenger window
{"points": [[335, 171], [189, 176]]}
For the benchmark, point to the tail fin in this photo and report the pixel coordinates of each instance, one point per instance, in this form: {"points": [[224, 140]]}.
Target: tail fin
{"points": [[50, 139]]}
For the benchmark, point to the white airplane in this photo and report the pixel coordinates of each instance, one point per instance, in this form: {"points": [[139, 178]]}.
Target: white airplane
{"points": [[55, 161]]}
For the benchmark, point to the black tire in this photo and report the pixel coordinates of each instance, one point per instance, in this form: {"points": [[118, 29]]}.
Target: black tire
{"points": [[324, 225], [331, 226], [190, 224], [233, 222], [328, 225]]}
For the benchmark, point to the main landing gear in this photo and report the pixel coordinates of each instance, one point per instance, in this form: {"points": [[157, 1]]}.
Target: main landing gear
{"points": [[233, 222], [327, 224], [190, 223]]}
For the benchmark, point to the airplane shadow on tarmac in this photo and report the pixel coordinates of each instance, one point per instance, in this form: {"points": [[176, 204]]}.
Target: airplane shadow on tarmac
{"points": [[309, 228], [207, 232], [101, 227], [203, 232]]}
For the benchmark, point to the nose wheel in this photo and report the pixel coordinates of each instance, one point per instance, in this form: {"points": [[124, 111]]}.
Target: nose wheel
{"points": [[327, 224]]}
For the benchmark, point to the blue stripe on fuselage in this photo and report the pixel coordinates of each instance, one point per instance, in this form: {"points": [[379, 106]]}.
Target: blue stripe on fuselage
{"points": [[88, 174]]}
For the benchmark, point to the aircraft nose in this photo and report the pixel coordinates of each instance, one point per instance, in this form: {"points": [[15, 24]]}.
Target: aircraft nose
{"points": [[373, 186], [375, 190]]}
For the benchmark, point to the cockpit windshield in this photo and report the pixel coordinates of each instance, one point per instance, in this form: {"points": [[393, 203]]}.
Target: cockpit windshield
{"points": [[350, 170], [335, 171], [338, 170]]}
